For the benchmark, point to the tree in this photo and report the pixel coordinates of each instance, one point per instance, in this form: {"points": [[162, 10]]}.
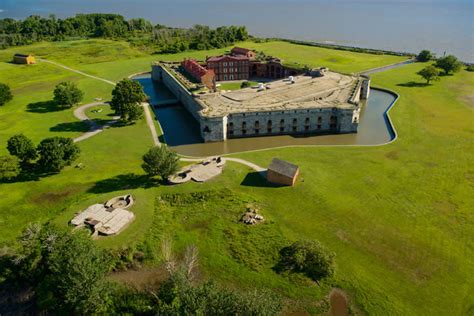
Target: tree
{"points": [[67, 94], [5, 94], [67, 270], [309, 257], [56, 153], [448, 64], [9, 167], [22, 147], [126, 99], [424, 56], [160, 161], [429, 73]]}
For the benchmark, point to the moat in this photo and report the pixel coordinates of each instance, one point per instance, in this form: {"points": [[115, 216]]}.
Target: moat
{"points": [[181, 131]]}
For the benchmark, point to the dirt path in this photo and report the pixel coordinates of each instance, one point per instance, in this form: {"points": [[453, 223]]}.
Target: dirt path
{"points": [[388, 67], [76, 71], [80, 114], [249, 164], [151, 124]]}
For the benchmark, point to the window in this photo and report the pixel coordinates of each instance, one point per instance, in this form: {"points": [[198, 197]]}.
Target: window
{"points": [[231, 77], [295, 125], [225, 64], [225, 77], [320, 119], [319, 126], [333, 122], [231, 70], [269, 126], [225, 70], [231, 64]]}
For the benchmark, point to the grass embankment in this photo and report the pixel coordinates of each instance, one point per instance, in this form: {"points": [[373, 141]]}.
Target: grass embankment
{"points": [[235, 85], [398, 216]]}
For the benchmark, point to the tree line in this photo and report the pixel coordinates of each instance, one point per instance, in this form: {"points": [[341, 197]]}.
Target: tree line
{"points": [[113, 26]]}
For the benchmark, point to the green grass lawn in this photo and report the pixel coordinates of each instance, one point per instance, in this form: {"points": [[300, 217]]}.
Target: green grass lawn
{"points": [[399, 217], [234, 85]]}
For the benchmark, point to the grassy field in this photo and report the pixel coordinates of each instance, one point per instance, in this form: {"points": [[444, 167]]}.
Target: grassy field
{"points": [[399, 217], [234, 85]]}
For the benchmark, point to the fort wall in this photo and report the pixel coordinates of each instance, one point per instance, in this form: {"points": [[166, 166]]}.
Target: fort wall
{"points": [[277, 122]]}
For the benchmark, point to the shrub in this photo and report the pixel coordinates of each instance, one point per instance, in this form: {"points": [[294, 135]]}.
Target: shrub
{"points": [[22, 147], [5, 94], [160, 161], [470, 68], [309, 257], [9, 167], [67, 94], [245, 84]]}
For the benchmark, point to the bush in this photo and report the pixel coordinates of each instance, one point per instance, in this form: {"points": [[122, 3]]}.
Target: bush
{"points": [[470, 68], [67, 94], [245, 84], [5, 94], [22, 147], [9, 167], [160, 161], [56, 153], [424, 56], [309, 257]]}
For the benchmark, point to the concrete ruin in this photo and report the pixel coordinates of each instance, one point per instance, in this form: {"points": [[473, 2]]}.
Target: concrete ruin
{"points": [[109, 218], [326, 103], [200, 172]]}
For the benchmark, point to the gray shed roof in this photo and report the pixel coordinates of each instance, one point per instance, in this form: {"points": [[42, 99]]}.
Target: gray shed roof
{"points": [[283, 167]]}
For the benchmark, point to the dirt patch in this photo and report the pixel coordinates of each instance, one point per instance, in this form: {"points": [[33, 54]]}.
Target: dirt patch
{"points": [[393, 155], [468, 100], [56, 197], [339, 303], [142, 279]]}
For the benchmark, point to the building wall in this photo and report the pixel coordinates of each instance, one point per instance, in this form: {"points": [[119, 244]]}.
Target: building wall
{"points": [[230, 69], [277, 178], [327, 120], [24, 60]]}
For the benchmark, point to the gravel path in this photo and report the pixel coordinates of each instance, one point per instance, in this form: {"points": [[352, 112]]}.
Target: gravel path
{"points": [[388, 67], [80, 114]]}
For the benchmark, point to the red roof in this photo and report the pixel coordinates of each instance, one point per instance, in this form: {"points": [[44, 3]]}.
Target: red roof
{"points": [[225, 57], [240, 50]]}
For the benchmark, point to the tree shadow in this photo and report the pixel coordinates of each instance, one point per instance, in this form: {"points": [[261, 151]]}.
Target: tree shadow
{"points": [[44, 107], [258, 179], [80, 126], [123, 182], [413, 84]]}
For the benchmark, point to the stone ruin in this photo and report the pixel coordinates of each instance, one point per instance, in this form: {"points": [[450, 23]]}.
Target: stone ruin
{"points": [[251, 216]]}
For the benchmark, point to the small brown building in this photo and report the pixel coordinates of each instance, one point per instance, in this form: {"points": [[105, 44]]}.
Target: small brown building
{"points": [[243, 51], [24, 59], [282, 172]]}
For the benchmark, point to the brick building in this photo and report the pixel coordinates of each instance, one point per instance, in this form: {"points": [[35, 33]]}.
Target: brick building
{"points": [[199, 73], [229, 67]]}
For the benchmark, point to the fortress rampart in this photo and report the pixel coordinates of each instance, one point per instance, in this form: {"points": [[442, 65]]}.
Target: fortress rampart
{"points": [[327, 105]]}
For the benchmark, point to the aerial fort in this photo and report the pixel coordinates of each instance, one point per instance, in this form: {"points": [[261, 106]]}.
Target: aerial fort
{"points": [[287, 101]]}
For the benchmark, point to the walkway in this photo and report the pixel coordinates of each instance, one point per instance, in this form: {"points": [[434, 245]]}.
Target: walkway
{"points": [[388, 67], [76, 71], [150, 123], [80, 114]]}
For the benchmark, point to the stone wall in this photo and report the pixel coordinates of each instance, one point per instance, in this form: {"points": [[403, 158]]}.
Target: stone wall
{"points": [[327, 120]]}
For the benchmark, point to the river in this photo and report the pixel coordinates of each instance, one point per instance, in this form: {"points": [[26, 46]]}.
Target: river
{"points": [[400, 25]]}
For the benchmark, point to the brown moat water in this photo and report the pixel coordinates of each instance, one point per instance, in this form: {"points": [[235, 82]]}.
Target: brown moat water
{"points": [[181, 131]]}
